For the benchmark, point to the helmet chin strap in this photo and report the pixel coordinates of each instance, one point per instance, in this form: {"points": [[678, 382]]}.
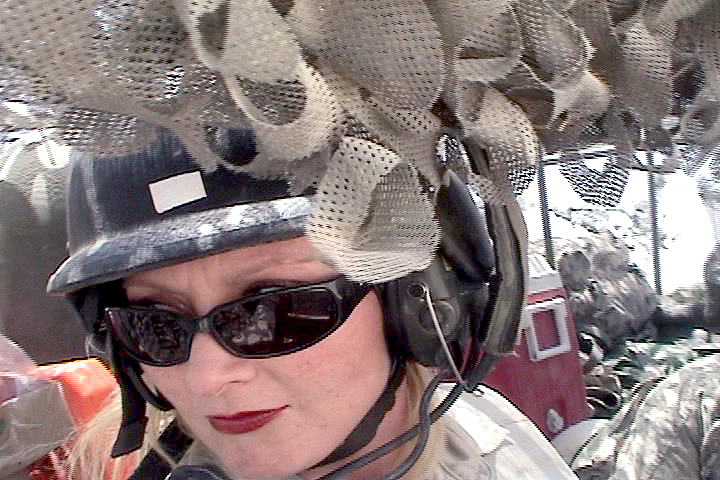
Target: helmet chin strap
{"points": [[365, 431], [134, 394]]}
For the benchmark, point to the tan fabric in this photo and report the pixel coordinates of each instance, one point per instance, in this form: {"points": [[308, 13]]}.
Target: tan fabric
{"points": [[517, 78], [491, 439]]}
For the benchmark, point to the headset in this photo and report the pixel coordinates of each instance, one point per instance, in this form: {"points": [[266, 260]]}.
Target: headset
{"points": [[454, 289]]}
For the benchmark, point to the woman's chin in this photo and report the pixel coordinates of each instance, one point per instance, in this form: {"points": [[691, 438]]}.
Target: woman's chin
{"points": [[257, 471]]}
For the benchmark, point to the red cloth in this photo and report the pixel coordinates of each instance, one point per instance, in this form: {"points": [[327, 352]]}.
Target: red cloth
{"points": [[50, 466], [86, 384]]}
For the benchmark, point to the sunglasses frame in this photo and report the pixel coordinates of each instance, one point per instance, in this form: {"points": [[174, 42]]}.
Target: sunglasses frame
{"points": [[347, 295]]}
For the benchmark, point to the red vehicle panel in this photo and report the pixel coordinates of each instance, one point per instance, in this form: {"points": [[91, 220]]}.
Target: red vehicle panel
{"points": [[544, 376]]}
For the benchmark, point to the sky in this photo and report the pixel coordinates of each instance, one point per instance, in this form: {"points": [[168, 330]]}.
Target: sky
{"points": [[682, 216]]}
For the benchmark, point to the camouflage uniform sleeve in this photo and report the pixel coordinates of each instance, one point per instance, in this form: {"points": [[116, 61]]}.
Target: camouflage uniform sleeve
{"points": [[670, 430]]}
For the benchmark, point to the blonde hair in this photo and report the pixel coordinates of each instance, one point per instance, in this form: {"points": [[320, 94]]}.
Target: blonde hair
{"points": [[89, 457], [418, 378]]}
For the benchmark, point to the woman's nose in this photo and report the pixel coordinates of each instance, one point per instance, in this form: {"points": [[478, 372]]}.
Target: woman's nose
{"points": [[211, 368]]}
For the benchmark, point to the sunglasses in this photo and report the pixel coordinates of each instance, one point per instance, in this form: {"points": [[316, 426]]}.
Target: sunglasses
{"points": [[266, 325]]}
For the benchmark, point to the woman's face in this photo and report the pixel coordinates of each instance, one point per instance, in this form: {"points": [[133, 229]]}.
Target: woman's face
{"points": [[296, 408]]}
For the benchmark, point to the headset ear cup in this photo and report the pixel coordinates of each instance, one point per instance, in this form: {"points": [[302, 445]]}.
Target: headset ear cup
{"points": [[408, 322], [90, 304], [457, 281], [86, 303], [395, 328], [465, 237]]}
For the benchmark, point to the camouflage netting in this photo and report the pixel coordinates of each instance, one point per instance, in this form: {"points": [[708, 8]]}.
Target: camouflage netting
{"points": [[358, 92]]}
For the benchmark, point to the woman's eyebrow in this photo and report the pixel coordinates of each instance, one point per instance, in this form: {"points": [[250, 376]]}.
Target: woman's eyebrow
{"points": [[271, 283], [160, 297], [282, 282]]}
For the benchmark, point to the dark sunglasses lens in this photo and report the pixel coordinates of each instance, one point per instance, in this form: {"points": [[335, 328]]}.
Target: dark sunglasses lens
{"points": [[277, 323], [155, 337]]}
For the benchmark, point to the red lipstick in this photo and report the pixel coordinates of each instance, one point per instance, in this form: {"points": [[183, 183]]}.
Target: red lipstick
{"points": [[244, 422]]}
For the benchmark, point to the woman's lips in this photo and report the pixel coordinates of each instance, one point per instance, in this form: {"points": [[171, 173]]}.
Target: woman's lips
{"points": [[244, 422]]}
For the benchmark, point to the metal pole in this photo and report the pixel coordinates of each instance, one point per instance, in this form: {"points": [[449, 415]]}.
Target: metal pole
{"points": [[544, 211], [654, 228]]}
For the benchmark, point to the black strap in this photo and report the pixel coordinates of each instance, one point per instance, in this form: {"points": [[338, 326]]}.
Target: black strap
{"points": [[175, 443], [365, 431], [134, 394], [198, 472]]}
